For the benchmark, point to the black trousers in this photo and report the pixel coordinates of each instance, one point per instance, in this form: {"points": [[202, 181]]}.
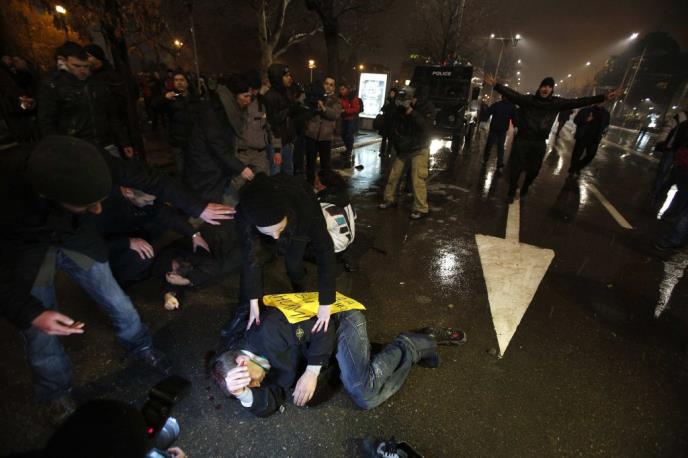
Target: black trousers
{"points": [[313, 149], [299, 153], [526, 156], [583, 153], [499, 138]]}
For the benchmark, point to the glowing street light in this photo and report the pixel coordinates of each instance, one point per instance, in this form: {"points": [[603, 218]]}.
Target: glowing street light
{"points": [[60, 9], [561, 81], [634, 35], [361, 67], [492, 35], [518, 72], [311, 66], [178, 43], [568, 76], [519, 61], [517, 36], [587, 64]]}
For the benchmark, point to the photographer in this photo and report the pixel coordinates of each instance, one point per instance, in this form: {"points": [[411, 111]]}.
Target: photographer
{"points": [[320, 129], [410, 137], [182, 108]]}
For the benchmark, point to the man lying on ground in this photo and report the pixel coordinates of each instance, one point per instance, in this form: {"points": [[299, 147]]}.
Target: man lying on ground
{"points": [[262, 372]]}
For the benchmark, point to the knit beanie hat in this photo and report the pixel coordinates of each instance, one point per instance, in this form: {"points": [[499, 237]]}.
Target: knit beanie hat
{"points": [[549, 81], [96, 51], [69, 170], [261, 202], [237, 84]]}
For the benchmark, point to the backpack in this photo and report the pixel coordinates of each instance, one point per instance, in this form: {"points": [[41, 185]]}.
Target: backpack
{"points": [[341, 224]]}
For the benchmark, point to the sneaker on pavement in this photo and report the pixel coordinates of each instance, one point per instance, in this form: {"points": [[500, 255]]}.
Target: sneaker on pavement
{"points": [[445, 336], [58, 410], [417, 215], [154, 359], [386, 205]]}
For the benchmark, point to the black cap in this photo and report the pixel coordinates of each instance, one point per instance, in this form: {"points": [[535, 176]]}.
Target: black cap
{"points": [[549, 81], [237, 84], [261, 202], [96, 51], [69, 170]]}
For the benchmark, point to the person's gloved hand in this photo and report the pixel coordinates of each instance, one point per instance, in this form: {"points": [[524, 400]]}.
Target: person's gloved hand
{"points": [[305, 388], [323, 319]]}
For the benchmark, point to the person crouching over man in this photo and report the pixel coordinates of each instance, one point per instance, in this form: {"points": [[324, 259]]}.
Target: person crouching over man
{"points": [[262, 372], [284, 209]]}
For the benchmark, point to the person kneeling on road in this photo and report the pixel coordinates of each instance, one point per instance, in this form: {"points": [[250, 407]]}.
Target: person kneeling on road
{"points": [[262, 372]]}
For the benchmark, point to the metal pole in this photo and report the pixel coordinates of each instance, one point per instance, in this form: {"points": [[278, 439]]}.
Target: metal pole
{"points": [[627, 93], [311, 69], [640, 63], [195, 49], [499, 60]]}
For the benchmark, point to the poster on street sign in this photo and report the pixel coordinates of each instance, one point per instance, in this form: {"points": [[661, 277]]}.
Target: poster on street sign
{"points": [[372, 90]]}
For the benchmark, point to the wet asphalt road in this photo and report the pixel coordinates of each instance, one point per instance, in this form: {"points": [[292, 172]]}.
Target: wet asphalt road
{"points": [[589, 371]]}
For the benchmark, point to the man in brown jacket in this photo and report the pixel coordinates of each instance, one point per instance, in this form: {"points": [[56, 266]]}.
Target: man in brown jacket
{"points": [[320, 130]]}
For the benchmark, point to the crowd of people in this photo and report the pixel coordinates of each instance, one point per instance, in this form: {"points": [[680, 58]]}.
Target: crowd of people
{"points": [[252, 182]]}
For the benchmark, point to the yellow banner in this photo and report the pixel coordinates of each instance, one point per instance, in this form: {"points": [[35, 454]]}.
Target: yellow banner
{"points": [[299, 307]]}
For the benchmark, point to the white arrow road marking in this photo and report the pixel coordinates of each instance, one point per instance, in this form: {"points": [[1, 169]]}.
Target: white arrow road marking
{"points": [[513, 271], [610, 208]]}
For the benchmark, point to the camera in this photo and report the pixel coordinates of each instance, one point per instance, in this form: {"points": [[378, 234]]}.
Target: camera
{"points": [[404, 97], [314, 93], [163, 428]]}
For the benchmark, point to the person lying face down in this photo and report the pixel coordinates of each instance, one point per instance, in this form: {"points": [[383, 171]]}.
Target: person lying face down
{"points": [[261, 383]]}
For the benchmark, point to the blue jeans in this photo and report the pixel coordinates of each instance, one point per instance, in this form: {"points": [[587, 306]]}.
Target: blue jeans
{"points": [[348, 134], [372, 382], [52, 372], [287, 166]]}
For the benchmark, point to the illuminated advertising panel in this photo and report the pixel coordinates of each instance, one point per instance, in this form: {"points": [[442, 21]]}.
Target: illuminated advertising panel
{"points": [[372, 90]]}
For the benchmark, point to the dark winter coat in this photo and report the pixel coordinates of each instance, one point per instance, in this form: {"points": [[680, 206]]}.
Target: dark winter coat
{"points": [[210, 161], [591, 131], [83, 109], [280, 107], [306, 225], [502, 112], [120, 220], [289, 348], [536, 114], [30, 225], [412, 133], [182, 112]]}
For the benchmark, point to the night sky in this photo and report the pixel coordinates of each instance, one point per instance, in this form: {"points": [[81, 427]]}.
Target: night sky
{"points": [[559, 37]]}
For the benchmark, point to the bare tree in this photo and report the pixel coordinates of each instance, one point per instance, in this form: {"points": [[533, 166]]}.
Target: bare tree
{"points": [[272, 35], [453, 29], [331, 12]]}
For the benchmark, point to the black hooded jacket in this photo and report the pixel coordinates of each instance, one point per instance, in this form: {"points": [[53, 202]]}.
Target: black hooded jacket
{"points": [[306, 225], [279, 106], [536, 114]]}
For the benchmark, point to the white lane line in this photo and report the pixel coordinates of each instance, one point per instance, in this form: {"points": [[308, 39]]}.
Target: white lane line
{"points": [[610, 208], [630, 150]]}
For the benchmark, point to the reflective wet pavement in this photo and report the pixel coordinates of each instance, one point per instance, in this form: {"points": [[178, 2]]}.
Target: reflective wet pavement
{"points": [[589, 370]]}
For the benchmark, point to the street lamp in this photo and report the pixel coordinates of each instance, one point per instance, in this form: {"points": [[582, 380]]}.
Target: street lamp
{"points": [[518, 72], [361, 67], [59, 9], [178, 43], [519, 61], [311, 66], [514, 41], [634, 35], [492, 35], [517, 36]]}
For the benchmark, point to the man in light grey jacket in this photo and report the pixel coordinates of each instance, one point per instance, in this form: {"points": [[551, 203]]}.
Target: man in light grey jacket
{"points": [[320, 130]]}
